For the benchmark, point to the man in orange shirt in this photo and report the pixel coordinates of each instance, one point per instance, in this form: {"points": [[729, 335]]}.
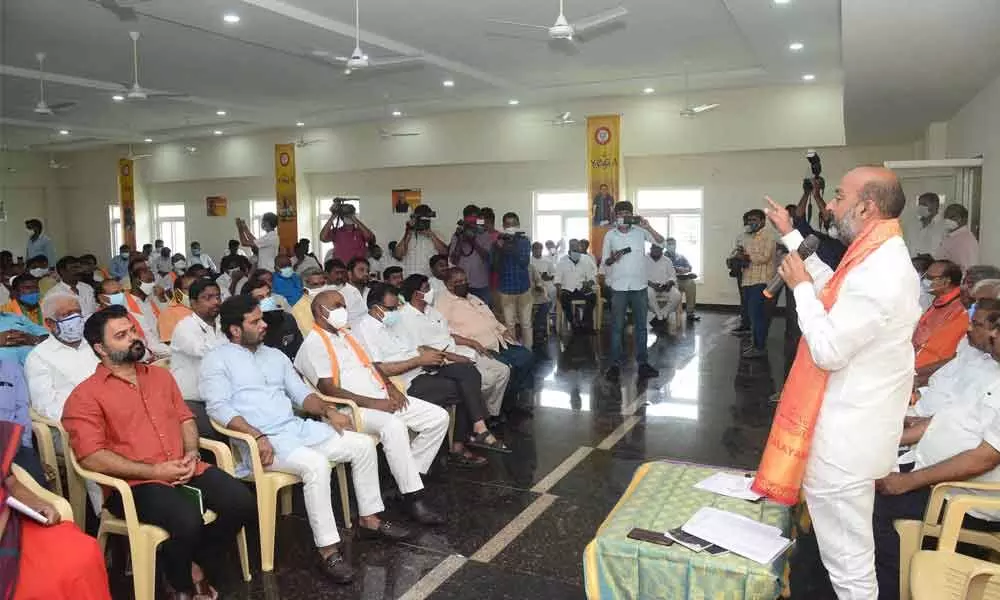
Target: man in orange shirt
{"points": [[945, 322], [128, 420], [178, 308]]}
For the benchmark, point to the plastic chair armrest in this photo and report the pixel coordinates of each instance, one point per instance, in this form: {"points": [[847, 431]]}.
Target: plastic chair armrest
{"points": [[58, 502], [958, 506], [939, 495], [223, 455], [255, 464], [119, 485]]}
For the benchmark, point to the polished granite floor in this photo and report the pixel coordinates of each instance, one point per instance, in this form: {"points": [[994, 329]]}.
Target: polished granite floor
{"points": [[708, 406]]}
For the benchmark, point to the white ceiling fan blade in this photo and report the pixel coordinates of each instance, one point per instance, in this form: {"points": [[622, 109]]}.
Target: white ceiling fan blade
{"points": [[394, 61], [599, 20], [516, 24], [704, 107]]}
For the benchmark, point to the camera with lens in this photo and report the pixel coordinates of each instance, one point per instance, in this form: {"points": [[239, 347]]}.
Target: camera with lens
{"points": [[472, 226], [341, 208], [633, 220], [420, 220], [817, 170]]}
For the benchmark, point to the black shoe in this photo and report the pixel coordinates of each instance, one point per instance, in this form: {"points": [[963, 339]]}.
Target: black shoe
{"points": [[387, 530], [754, 353], [613, 374], [693, 317], [425, 515], [647, 372], [741, 331], [336, 569]]}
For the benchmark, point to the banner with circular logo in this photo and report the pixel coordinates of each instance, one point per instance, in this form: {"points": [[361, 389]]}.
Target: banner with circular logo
{"points": [[603, 175]]}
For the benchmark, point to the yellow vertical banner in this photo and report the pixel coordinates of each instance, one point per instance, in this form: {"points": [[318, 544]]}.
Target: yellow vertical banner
{"points": [[287, 200], [126, 200], [603, 175]]}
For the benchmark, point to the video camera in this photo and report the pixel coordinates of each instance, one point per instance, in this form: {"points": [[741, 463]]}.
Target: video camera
{"points": [[633, 220], [471, 225], [817, 169], [340, 208], [420, 220]]}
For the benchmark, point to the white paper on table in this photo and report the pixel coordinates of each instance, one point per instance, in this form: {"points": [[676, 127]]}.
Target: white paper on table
{"points": [[26, 510], [741, 535], [729, 484]]}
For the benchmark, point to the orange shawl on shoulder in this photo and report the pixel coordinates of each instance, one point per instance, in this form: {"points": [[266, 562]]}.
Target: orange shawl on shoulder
{"points": [[940, 329], [783, 465]]}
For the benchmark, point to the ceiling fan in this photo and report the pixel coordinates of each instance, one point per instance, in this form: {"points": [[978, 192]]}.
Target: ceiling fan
{"points": [[302, 142], [689, 110], [563, 30], [55, 164], [43, 107], [359, 60], [123, 9], [133, 156], [136, 91], [385, 134], [563, 119]]}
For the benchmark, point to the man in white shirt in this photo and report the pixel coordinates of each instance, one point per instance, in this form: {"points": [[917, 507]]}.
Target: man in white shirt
{"points": [[664, 297], [924, 234], [61, 362], [439, 265], [141, 308], [624, 256], [419, 242], [266, 245], [441, 377], [545, 269], [863, 344], [194, 336], [356, 307], [959, 244], [970, 373], [575, 279], [68, 268], [961, 442], [338, 366], [197, 258], [428, 327]]}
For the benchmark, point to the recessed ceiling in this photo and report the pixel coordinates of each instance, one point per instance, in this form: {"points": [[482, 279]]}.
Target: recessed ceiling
{"points": [[263, 72]]}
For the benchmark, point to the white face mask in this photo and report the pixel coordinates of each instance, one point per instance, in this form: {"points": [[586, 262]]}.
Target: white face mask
{"points": [[429, 296], [337, 318], [147, 288], [39, 272], [511, 230], [950, 225]]}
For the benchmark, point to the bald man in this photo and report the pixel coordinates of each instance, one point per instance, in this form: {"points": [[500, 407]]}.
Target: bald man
{"points": [[855, 362]]}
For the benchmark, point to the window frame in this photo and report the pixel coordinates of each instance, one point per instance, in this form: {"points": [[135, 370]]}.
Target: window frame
{"points": [[699, 265], [117, 232], [161, 220], [564, 214], [256, 218]]}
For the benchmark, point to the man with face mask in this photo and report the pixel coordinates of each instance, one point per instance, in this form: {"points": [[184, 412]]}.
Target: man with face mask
{"points": [[336, 272], [194, 337], [545, 292], [925, 232], [470, 250], [128, 420], [38, 267], [511, 260], [38, 242], [959, 244], [25, 299], [685, 278], [624, 258], [199, 258], [285, 280], [336, 364], [758, 259], [282, 330], [119, 264], [19, 334], [177, 309], [68, 269], [63, 360], [855, 360], [664, 297], [943, 324], [141, 304], [575, 279], [314, 283], [163, 265], [349, 235]]}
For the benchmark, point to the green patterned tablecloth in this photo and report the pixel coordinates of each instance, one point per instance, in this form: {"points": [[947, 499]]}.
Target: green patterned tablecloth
{"points": [[661, 497]]}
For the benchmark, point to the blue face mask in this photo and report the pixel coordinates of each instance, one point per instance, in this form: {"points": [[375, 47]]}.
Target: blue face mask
{"points": [[268, 304], [390, 317], [70, 329], [30, 299], [117, 299], [972, 312], [286, 272]]}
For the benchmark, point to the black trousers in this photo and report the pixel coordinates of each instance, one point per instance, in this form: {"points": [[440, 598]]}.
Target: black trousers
{"points": [[201, 419], [27, 458], [566, 298], [454, 384], [910, 505], [744, 313], [190, 540]]}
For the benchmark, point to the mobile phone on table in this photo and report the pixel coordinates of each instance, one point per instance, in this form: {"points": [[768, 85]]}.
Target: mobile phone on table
{"points": [[654, 537]]}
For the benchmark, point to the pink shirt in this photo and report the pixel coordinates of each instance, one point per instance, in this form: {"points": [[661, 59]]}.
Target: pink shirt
{"points": [[960, 247], [470, 317], [348, 243]]}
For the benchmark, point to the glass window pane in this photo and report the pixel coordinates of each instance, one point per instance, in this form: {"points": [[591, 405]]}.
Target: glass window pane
{"points": [[259, 207], [573, 201], [669, 199], [686, 229], [115, 211], [548, 227], [577, 228], [659, 224], [170, 210]]}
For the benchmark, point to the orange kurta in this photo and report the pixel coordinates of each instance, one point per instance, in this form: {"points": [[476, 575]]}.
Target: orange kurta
{"points": [[169, 318], [940, 330]]}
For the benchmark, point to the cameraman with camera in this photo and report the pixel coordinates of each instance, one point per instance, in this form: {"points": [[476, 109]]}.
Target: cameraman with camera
{"points": [[511, 261], [470, 250], [419, 242], [349, 235], [624, 258]]}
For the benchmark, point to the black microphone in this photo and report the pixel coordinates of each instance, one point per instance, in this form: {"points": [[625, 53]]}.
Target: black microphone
{"points": [[806, 249]]}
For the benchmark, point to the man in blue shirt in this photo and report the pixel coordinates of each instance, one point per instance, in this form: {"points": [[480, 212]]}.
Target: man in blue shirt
{"points": [[38, 243], [119, 264], [511, 259], [14, 408], [252, 388], [19, 336], [286, 281]]}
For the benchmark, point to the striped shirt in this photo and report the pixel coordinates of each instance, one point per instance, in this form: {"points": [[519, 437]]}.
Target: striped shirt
{"points": [[760, 247]]}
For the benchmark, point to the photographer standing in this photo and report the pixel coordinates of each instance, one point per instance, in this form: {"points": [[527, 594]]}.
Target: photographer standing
{"points": [[349, 235], [419, 243], [758, 258], [511, 259], [470, 250], [624, 257]]}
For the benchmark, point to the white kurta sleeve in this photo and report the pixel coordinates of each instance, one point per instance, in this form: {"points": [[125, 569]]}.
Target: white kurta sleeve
{"points": [[41, 388], [818, 270]]}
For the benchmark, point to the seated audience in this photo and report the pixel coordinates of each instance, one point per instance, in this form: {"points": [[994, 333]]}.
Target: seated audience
{"points": [[428, 327], [63, 360], [232, 281], [686, 277], [664, 297], [19, 334], [470, 249], [969, 373], [29, 570], [178, 308], [232, 258], [314, 281], [14, 402], [141, 307], [393, 276], [38, 267], [338, 366], [128, 420], [282, 330], [942, 325], [286, 282], [961, 442], [575, 280], [336, 272], [357, 275], [376, 260], [91, 273], [419, 242], [511, 258], [444, 378], [921, 263], [252, 388], [544, 291], [303, 259], [119, 264], [439, 266], [469, 317], [974, 275], [959, 244], [69, 270], [267, 277], [24, 299], [196, 335]]}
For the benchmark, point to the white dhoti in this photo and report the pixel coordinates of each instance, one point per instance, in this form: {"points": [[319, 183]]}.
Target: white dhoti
{"points": [[408, 459], [663, 304]]}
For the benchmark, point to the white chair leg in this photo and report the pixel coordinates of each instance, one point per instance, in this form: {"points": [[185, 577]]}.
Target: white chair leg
{"points": [[241, 545], [143, 569], [345, 497]]}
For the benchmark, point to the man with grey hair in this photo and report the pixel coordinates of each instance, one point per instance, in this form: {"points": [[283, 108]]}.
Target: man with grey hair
{"points": [[974, 275], [314, 281], [62, 361], [852, 377]]}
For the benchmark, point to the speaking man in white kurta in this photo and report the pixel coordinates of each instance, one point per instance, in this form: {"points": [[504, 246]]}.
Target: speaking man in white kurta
{"points": [[850, 384]]}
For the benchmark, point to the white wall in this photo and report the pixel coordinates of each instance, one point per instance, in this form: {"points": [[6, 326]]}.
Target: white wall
{"points": [[975, 130]]}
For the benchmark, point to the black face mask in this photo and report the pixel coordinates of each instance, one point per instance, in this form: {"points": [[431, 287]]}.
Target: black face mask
{"points": [[462, 290]]}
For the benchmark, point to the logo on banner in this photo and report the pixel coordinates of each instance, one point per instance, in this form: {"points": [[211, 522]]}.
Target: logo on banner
{"points": [[284, 159], [602, 136], [126, 170]]}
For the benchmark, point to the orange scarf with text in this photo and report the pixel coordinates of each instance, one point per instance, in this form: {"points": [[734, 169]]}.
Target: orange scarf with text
{"points": [[358, 351], [783, 465]]}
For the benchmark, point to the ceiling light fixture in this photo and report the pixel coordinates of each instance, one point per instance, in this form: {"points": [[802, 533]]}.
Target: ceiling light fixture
{"points": [[796, 46], [648, 90], [782, 1], [513, 102], [64, 132], [300, 124], [231, 18], [808, 77], [220, 113], [118, 98], [217, 132], [448, 83], [148, 140], [347, 71], [397, 113]]}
